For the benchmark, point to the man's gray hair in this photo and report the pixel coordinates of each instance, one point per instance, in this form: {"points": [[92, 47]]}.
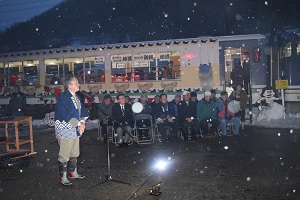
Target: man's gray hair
{"points": [[68, 80]]}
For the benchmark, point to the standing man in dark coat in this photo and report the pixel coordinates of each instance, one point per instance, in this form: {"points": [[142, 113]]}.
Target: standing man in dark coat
{"points": [[237, 74], [123, 114], [187, 116], [17, 102]]}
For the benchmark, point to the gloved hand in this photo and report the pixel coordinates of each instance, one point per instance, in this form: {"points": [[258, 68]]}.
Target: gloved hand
{"points": [[160, 120]]}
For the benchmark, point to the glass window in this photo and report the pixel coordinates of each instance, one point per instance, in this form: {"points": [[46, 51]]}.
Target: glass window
{"points": [[94, 69], [145, 66], [55, 71], [168, 65], [286, 50], [13, 72], [142, 65], [121, 69], [298, 48], [30, 70]]}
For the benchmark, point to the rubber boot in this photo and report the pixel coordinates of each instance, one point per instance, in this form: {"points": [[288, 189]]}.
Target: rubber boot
{"points": [[72, 169], [63, 174]]}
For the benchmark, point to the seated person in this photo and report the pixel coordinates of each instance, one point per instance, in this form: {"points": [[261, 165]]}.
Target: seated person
{"points": [[123, 114], [127, 99], [225, 115], [175, 102], [147, 109], [187, 116], [213, 95], [207, 113], [105, 121], [240, 95], [165, 114]]}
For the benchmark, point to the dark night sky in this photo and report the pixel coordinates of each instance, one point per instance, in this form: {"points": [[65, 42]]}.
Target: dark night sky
{"points": [[112, 21], [12, 11]]}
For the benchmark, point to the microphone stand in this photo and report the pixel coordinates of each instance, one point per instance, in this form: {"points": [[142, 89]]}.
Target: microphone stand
{"points": [[108, 176]]}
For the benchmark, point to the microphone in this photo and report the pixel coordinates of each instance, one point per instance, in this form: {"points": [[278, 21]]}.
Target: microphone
{"points": [[84, 93]]}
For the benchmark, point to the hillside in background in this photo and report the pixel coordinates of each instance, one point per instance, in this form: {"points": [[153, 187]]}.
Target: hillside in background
{"points": [[77, 22]]}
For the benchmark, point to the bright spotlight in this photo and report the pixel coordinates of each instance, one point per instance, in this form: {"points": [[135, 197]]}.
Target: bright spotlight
{"points": [[161, 165]]}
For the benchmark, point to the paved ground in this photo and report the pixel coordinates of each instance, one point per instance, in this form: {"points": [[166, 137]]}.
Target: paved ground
{"points": [[260, 164]]}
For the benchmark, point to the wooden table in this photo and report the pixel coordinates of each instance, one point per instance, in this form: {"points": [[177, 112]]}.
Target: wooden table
{"points": [[16, 121]]}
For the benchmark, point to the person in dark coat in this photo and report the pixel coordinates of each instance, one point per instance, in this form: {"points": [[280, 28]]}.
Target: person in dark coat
{"points": [[104, 118], [17, 102], [154, 103], [237, 74], [213, 95], [187, 116], [123, 114], [165, 115]]}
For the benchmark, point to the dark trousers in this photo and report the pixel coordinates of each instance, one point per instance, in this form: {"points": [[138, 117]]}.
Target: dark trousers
{"points": [[162, 129], [184, 128], [246, 84], [241, 114], [205, 123]]}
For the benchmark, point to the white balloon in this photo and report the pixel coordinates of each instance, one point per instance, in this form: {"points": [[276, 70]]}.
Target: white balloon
{"points": [[137, 107]]}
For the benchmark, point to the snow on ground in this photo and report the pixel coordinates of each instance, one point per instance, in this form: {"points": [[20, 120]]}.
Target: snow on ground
{"points": [[275, 117]]}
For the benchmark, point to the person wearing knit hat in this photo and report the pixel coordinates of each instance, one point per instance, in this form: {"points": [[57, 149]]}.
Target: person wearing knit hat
{"points": [[207, 114], [213, 95], [207, 93], [185, 93]]}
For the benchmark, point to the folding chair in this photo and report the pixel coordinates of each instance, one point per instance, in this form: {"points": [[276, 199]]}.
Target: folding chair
{"points": [[150, 138]]}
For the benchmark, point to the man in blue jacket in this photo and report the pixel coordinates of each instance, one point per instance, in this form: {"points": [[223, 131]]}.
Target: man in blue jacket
{"points": [[165, 115], [70, 116]]}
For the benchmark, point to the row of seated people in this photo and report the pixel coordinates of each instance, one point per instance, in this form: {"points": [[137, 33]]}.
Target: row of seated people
{"points": [[187, 115]]}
